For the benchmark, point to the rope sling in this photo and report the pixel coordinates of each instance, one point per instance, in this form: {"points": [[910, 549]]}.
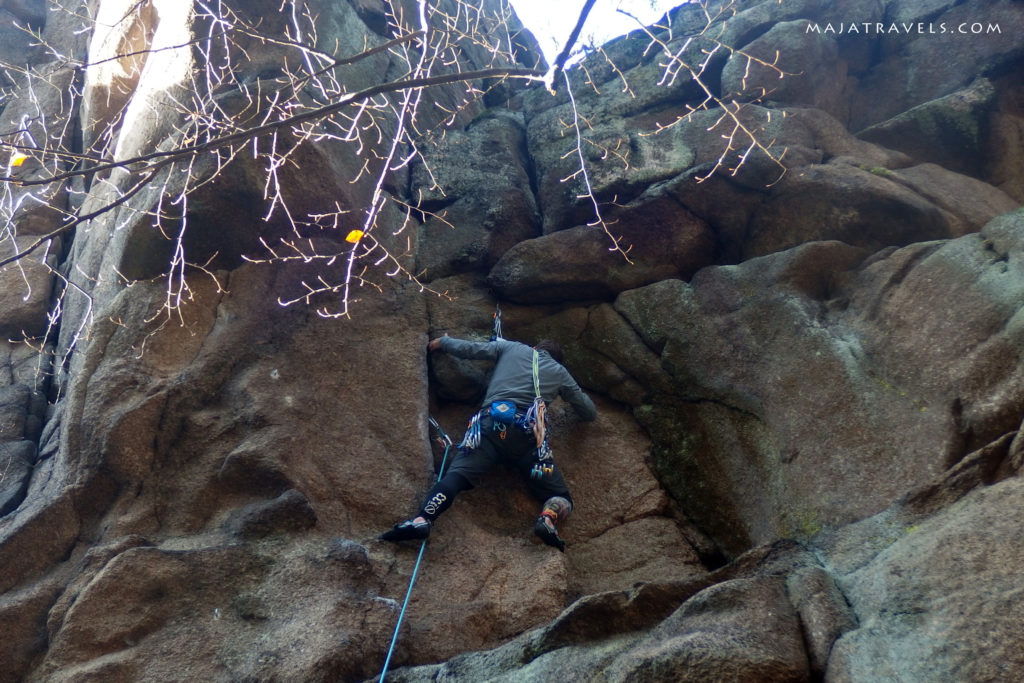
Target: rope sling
{"points": [[535, 415]]}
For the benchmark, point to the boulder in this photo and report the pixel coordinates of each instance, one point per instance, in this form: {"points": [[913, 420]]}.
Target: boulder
{"points": [[791, 66], [937, 393], [623, 156], [487, 204], [950, 131], [704, 624], [972, 203], [918, 582], [973, 339], [824, 614], [871, 206], [38, 535], [864, 207], [256, 617], [23, 626], [663, 240], [289, 512], [615, 358], [1006, 170], [918, 43], [644, 550], [16, 42], [711, 635], [25, 290]]}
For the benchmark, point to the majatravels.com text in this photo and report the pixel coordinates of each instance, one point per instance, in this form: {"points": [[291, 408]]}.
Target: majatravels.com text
{"points": [[921, 27]]}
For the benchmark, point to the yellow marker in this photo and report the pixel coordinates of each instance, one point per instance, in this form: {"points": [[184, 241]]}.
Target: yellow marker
{"points": [[354, 236], [17, 159]]}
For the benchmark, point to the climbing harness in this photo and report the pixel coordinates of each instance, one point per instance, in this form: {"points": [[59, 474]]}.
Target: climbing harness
{"points": [[444, 440], [503, 414]]}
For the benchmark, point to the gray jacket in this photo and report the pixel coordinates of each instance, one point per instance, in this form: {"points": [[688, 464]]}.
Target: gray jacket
{"points": [[513, 374]]}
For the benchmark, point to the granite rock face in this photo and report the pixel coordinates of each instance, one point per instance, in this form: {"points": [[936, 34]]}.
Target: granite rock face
{"points": [[804, 347]]}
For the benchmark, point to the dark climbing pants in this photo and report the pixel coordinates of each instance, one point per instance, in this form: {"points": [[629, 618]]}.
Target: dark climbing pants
{"points": [[516, 449]]}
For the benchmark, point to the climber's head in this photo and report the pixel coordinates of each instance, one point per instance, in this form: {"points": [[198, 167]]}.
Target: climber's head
{"points": [[553, 348]]}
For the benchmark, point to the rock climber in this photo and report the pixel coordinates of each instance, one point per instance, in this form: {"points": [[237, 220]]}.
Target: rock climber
{"points": [[509, 429]]}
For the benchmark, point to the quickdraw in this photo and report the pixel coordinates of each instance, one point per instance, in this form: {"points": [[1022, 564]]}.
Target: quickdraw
{"points": [[496, 327], [472, 437]]}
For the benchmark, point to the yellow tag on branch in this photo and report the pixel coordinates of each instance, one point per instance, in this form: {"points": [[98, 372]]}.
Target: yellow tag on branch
{"points": [[17, 159], [354, 236]]}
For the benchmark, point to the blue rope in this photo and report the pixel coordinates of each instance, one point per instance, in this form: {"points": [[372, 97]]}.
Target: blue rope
{"points": [[401, 615], [446, 440]]}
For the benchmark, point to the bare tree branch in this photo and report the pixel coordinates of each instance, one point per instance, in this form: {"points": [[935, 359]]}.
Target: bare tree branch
{"points": [[247, 135], [552, 75], [78, 220], [222, 113]]}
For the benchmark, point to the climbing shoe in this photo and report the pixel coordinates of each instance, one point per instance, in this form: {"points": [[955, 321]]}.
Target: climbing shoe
{"points": [[548, 534], [407, 531]]}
